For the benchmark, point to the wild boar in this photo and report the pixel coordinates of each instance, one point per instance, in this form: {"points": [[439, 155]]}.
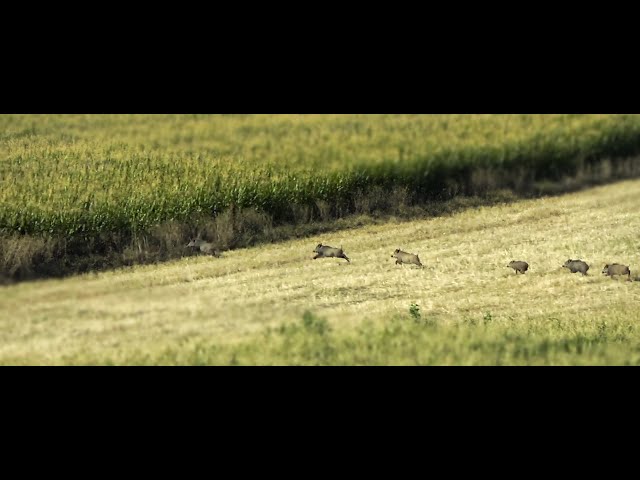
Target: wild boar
{"points": [[404, 257], [519, 266], [617, 269], [576, 266], [204, 247], [325, 251]]}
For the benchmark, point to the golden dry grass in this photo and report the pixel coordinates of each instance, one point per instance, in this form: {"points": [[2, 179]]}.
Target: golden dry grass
{"points": [[177, 305]]}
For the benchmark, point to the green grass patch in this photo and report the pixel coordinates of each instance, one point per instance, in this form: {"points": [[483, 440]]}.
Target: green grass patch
{"points": [[402, 340], [84, 175]]}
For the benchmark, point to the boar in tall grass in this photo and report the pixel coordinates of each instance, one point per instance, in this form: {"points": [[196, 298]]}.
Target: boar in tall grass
{"points": [[205, 247]]}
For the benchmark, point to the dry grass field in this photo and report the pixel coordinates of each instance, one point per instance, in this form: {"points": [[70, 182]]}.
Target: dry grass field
{"points": [[469, 308]]}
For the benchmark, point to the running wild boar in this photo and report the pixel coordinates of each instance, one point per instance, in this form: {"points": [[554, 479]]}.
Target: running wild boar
{"points": [[519, 266], [404, 257], [325, 251], [617, 269], [576, 266]]}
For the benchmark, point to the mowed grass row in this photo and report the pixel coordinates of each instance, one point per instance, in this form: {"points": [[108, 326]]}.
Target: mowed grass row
{"points": [[465, 307], [84, 175]]}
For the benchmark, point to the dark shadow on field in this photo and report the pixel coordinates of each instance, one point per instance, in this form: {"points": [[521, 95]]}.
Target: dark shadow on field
{"points": [[25, 257]]}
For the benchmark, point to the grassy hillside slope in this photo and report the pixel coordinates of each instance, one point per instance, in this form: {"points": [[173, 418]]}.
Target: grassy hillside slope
{"points": [[86, 192], [249, 307]]}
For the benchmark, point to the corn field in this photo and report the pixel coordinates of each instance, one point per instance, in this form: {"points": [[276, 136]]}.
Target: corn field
{"points": [[82, 175]]}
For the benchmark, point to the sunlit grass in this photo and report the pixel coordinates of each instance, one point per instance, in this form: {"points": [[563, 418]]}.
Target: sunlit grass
{"points": [[82, 175], [249, 306]]}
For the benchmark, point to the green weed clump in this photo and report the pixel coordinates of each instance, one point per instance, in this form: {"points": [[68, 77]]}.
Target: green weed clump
{"points": [[401, 341]]}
